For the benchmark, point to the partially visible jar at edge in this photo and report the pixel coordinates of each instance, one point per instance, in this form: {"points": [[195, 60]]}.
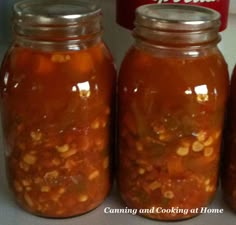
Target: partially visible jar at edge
{"points": [[57, 89], [173, 88], [229, 153]]}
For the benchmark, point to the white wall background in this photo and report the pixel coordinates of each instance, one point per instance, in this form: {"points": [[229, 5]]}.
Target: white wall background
{"points": [[232, 8]]}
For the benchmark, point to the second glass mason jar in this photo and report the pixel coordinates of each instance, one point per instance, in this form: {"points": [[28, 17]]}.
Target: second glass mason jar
{"points": [[57, 89], [173, 88], [228, 178]]}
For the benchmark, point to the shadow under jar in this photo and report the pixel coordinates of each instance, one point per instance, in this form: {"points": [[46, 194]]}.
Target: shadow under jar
{"points": [[173, 87], [57, 89]]}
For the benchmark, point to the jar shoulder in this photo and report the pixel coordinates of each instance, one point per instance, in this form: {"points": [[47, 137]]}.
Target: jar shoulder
{"points": [[35, 65], [176, 64]]}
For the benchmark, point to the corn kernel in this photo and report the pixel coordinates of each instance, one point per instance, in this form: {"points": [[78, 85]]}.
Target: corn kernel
{"points": [[208, 151], [93, 175], [26, 182], [95, 124], [69, 153], [201, 136], [209, 188], [36, 136], [63, 148], [29, 159], [207, 182], [208, 142], [169, 194], [154, 185], [85, 93], [103, 123], [197, 146], [217, 134], [83, 198], [182, 151], [51, 175], [165, 137], [202, 98], [141, 171], [28, 200]]}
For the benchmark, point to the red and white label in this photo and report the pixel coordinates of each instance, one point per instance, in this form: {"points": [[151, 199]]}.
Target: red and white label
{"points": [[126, 9]]}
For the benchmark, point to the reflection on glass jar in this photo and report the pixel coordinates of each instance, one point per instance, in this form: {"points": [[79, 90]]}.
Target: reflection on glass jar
{"points": [[57, 89], [173, 87]]}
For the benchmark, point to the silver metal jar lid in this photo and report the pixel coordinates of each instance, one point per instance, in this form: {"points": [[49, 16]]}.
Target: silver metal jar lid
{"points": [[177, 24], [55, 12], [177, 17], [57, 20]]}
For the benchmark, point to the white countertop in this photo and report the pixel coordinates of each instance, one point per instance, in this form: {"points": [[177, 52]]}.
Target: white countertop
{"points": [[119, 40]]}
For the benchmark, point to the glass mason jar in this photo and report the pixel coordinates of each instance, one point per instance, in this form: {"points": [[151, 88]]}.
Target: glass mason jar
{"points": [[57, 89], [228, 180], [173, 88]]}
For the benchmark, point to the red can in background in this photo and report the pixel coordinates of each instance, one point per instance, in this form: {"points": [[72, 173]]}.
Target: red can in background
{"points": [[126, 9]]}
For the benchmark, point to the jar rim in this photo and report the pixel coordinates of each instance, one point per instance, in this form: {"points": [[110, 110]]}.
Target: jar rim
{"points": [[177, 17], [55, 12], [57, 20]]}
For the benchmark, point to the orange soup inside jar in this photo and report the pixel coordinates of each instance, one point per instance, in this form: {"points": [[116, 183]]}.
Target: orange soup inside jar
{"points": [[229, 153], [57, 89], [173, 88]]}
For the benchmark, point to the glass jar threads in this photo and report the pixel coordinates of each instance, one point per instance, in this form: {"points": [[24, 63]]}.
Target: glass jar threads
{"points": [[173, 87], [57, 89]]}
